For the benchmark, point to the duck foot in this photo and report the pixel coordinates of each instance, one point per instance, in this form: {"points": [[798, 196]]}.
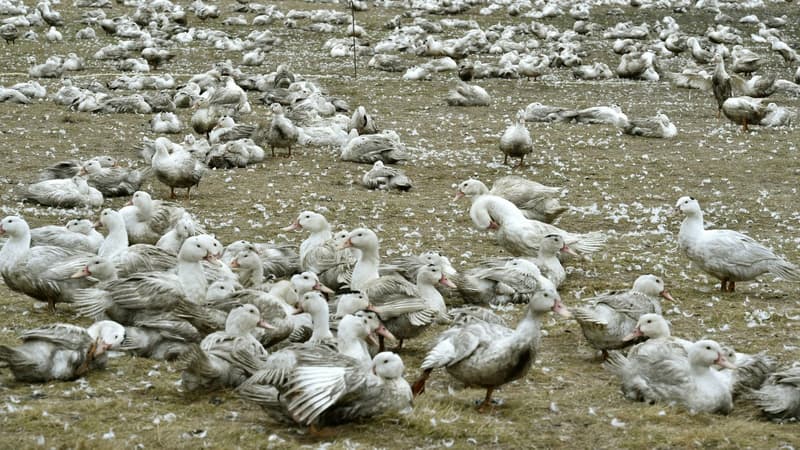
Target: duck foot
{"points": [[419, 386], [488, 403]]}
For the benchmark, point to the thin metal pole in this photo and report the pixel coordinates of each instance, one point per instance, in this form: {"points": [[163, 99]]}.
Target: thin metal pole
{"points": [[355, 48]]}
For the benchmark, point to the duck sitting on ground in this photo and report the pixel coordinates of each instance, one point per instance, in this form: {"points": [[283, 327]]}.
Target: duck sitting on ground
{"points": [[62, 351]]}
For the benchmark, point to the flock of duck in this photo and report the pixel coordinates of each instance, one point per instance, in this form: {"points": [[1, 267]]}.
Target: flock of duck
{"points": [[302, 331]]}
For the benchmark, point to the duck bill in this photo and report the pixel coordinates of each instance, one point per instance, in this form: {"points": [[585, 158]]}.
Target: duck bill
{"points": [[446, 282], [567, 250], [129, 203], [459, 195], [263, 324], [212, 258], [666, 295], [298, 310], [97, 224], [493, 225], [82, 273], [637, 333], [2, 230], [322, 288], [561, 310], [723, 362], [294, 226], [382, 331], [347, 243], [234, 263]]}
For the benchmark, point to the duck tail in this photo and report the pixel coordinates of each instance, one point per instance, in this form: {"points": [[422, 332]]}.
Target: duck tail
{"points": [[786, 271], [777, 400], [9, 355], [589, 242], [616, 363]]}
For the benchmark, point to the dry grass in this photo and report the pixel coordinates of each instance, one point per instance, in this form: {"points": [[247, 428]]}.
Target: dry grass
{"points": [[621, 184]]}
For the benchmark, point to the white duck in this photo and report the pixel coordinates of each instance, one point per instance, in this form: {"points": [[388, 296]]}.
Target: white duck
{"points": [[384, 177], [351, 336], [667, 376], [502, 281], [138, 295], [147, 220], [516, 140], [658, 126], [62, 351], [42, 272], [64, 193], [178, 169], [213, 364], [316, 386], [368, 148], [727, 255], [70, 236], [551, 246], [517, 234], [320, 253], [606, 320], [655, 328], [487, 355], [175, 237], [366, 267], [465, 94]]}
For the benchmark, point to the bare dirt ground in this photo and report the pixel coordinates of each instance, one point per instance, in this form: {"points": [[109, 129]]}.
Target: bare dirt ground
{"points": [[619, 184]]}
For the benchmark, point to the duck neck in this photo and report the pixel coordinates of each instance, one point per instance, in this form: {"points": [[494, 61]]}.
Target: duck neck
{"points": [[252, 276], [366, 268], [315, 239], [349, 344], [192, 279], [321, 330], [528, 329], [15, 247], [144, 211], [691, 227], [116, 242], [433, 298]]}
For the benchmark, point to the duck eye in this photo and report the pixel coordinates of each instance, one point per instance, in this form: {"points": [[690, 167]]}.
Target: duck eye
{"points": [[649, 321], [198, 245], [691, 198]]}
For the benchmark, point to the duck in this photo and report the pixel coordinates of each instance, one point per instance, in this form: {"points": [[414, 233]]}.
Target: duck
{"points": [[499, 281], [698, 53], [212, 364], [537, 112], [383, 177], [62, 351], [778, 116], [366, 149], [314, 303], [137, 296], [42, 272], [279, 260], [64, 193], [720, 83], [362, 122], [365, 269], [320, 253], [177, 170], [516, 140], [147, 220], [351, 335], [282, 133], [638, 66], [316, 386], [514, 232], [408, 266], [594, 71], [535, 200], [611, 115], [249, 269], [745, 61], [174, 238], [757, 86], [667, 376], [161, 337], [70, 236], [113, 181], [655, 328], [658, 126], [750, 373], [205, 118], [745, 111], [727, 255], [489, 355], [779, 397], [551, 246], [607, 319], [465, 94], [71, 168], [166, 123], [408, 309]]}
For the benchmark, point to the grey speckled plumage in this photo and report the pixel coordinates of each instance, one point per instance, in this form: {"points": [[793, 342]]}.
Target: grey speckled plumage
{"points": [[160, 338], [114, 181], [178, 169], [314, 385], [535, 200], [61, 351], [281, 133], [489, 355], [779, 397], [608, 318], [384, 146], [386, 178]]}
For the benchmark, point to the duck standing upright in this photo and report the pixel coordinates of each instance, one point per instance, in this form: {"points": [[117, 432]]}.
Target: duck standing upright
{"points": [[727, 255], [489, 355]]}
